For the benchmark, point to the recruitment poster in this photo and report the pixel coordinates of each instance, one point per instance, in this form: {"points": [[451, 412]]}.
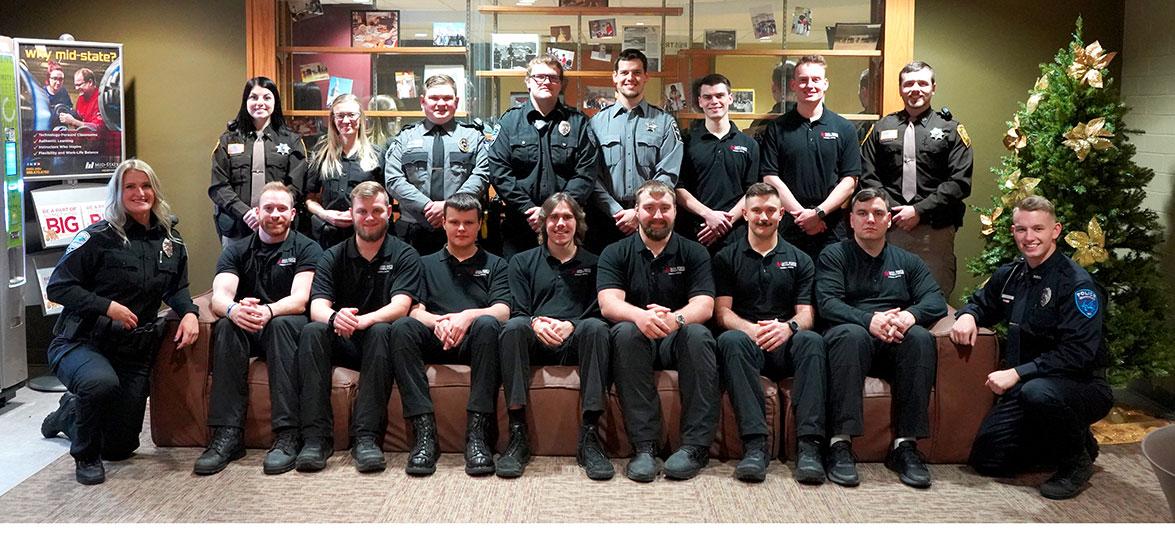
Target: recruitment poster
{"points": [[71, 109]]}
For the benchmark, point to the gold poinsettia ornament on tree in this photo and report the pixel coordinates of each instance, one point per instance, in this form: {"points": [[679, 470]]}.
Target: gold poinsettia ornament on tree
{"points": [[1038, 90], [1088, 136], [988, 220], [1014, 139], [1015, 188], [1088, 63], [1089, 247]]}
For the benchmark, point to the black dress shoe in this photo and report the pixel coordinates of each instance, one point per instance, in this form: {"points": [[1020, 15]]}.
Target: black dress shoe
{"points": [[1070, 479], [422, 459], [479, 457], [589, 454], [512, 462], [643, 465], [841, 465], [753, 467], [687, 462], [227, 445], [809, 464], [368, 456], [315, 451], [284, 453], [55, 422], [909, 464], [90, 471]]}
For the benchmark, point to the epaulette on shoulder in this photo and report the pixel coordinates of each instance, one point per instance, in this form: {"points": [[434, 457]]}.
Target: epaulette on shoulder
{"points": [[477, 124], [946, 113]]}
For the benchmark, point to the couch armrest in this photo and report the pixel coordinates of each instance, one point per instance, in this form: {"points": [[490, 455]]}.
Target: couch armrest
{"points": [[179, 384], [961, 399]]}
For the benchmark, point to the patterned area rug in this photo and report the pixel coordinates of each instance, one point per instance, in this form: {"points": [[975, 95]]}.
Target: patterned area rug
{"points": [[157, 486]]}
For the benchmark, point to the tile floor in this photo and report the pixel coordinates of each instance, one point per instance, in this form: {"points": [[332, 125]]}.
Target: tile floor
{"points": [[23, 451]]}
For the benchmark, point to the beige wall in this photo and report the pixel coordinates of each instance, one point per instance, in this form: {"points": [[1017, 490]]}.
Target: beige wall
{"points": [[184, 65]]}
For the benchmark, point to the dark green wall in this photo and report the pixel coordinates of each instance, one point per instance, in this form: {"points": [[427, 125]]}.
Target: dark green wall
{"points": [[184, 64], [986, 57]]}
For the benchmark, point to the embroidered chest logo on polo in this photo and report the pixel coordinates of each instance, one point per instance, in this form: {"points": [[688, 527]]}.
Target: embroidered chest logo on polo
{"points": [[674, 269], [385, 268], [286, 262], [786, 265], [894, 274], [481, 273], [738, 149], [829, 135], [580, 272]]}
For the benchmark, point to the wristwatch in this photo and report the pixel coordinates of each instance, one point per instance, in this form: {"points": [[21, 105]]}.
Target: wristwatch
{"points": [[680, 319], [820, 212], [793, 325]]}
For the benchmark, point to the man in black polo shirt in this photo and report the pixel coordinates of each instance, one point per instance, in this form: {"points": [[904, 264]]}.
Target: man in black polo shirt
{"points": [[556, 320], [541, 147], [466, 299], [811, 155], [720, 162], [658, 290], [360, 287], [879, 301], [260, 292], [765, 304]]}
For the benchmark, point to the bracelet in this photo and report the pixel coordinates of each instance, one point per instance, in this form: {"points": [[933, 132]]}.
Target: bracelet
{"points": [[331, 322], [270, 311], [228, 313]]}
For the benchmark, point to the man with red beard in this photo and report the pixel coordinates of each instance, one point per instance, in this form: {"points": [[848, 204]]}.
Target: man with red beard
{"points": [[361, 286], [260, 292]]}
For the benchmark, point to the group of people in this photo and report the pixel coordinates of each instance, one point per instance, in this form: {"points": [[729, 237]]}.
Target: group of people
{"points": [[712, 254]]}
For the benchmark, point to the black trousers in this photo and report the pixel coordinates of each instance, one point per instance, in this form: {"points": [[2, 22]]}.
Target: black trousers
{"points": [[909, 366], [1038, 422], [369, 352], [232, 347], [111, 384], [426, 239], [741, 361], [691, 351], [413, 344], [586, 346]]}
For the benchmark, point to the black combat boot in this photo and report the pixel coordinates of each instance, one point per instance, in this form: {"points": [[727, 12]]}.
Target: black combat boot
{"points": [[589, 454], [479, 456], [59, 420], [687, 462], [90, 471], [284, 453], [753, 467], [367, 454], [422, 460], [514, 459], [315, 451], [643, 466], [227, 445], [809, 464], [1070, 478]]}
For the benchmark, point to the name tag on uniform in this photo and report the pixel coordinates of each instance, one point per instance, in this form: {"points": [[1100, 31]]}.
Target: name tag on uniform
{"points": [[385, 268], [894, 274], [888, 135], [785, 265], [416, 144], [287, 261], [236, 148], [829, 135], [738, 148], [674, 270], [481, 273]]}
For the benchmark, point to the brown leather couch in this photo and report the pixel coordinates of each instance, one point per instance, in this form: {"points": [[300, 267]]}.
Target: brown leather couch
{"points": [[181, 384]]}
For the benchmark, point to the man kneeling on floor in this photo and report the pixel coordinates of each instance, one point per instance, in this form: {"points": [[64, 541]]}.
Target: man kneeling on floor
{"points": [[1055, 383], [260, 292], [458, 320], [361, 286], [879, 301], [656, 286], [556, 321]]}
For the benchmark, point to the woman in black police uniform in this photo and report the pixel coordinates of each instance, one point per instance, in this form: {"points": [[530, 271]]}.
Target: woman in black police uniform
{"points": [[236, 176], [344, 158], [111, 281]]}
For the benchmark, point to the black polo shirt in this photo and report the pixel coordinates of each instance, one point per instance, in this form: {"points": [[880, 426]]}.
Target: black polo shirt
{"points": [[347, 279], [851, 285], [681, 272], [452, 286], [542, 286], [764, 287], [266, 271], [810, 156], [718, 170]]}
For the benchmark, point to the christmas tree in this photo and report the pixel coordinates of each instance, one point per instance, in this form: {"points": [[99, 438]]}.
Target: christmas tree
{"points": [[1068, 143]]}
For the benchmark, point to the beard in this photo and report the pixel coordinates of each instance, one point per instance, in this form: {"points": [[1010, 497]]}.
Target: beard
{"points": [[657, 233], [372, 235]]}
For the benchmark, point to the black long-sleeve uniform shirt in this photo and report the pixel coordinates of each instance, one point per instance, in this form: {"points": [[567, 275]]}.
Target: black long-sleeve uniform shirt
{"points": [[1055, 314], [851, 285], [232, 173]]}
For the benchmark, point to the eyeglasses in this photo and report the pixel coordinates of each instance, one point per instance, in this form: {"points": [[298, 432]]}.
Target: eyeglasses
{"points": [[346, 116], [544, 78], [57, 78]]}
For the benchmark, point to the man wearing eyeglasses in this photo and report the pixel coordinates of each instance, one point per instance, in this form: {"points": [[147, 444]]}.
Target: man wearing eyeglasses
{"points": [[453, 155], [89, 113], [540, 147]]}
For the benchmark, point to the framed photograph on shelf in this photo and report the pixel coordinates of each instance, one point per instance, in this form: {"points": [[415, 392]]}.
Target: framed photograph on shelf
{"points": [[602, 28], [512, 51], [598, 97], [583, 3], [854, 36], [744, 100], [314, 72], [561, 33], [646, 39], [674, 97], [720, 40], [763, 22], [566, 58], [448, 33], [405, 85], [375, 29], [519, 98], [602, 52]]}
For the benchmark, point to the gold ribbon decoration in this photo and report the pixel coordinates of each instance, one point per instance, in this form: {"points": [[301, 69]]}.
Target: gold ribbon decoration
{"points": [[1038, 90], [1088, 247], [1088, 63], [1014, 139], [1088, 136], [1017, 188], [988, 220]]}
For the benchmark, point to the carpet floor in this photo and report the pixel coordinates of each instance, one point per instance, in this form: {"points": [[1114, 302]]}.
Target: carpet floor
{"points": [[157, 485]]}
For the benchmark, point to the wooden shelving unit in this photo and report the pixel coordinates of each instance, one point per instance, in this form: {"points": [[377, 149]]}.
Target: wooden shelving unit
{"points": [[324, 112], [401, 50], [549, 10], [569, 73], [781, 53], [767, 116]]}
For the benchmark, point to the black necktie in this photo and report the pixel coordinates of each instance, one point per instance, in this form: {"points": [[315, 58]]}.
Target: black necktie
{"points": [[436, 187]]}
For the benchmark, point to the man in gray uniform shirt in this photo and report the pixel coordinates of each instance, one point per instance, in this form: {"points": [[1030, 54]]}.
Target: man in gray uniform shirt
{"points": [[431, 161], [638, 142]]}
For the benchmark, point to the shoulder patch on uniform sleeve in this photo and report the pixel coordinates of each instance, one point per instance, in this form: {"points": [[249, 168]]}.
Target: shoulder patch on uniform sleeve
{"points": [[78, 240], [1086, 300], [963, 135]]}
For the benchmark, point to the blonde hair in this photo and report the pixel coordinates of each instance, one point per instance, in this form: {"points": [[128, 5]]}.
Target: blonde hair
{"points": [[329, 152], [382, 129], [116, 212]]}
